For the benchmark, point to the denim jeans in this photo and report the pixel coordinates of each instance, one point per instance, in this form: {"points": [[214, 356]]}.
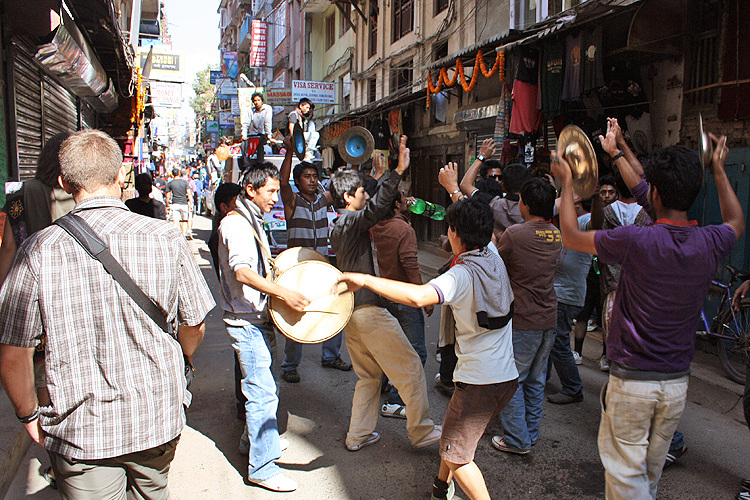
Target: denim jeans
{"points": [[521, 417], [330, 350], [259, 387], [561, 355], [639, 418], [412, 323]]}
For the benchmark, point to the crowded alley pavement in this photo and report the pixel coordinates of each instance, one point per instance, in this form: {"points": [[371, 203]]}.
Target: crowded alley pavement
{"points": [[314, 416]]}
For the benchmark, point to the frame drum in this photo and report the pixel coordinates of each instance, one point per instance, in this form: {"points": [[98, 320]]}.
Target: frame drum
{"points": [[326, 314]]}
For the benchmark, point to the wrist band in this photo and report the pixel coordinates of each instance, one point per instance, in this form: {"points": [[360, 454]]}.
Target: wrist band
{"points": [[480, 158], [34, 415], [618, 156], [457, 191]]}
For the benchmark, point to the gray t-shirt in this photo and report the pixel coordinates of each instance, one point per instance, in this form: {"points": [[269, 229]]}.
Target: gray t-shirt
{"points": [[179, 188], [571, 271]]}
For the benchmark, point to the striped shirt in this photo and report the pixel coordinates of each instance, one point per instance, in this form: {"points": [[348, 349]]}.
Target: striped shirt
{"points": [[308, 226], [115, 378]]}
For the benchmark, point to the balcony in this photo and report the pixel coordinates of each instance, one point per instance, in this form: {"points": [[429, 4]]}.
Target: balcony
{"points": [[315, 6]]}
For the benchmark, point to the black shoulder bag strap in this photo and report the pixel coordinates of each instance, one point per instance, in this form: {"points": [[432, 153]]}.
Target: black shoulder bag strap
{"points": [[96, 248]]}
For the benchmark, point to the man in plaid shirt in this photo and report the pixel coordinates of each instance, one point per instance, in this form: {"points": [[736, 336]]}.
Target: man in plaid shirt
{"points": [[116, 379]]}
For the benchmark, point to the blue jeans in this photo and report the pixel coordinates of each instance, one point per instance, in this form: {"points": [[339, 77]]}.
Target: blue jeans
{"points": [[259, 387], [561, 355], [330, 350], [412, 323], [521, 417]]}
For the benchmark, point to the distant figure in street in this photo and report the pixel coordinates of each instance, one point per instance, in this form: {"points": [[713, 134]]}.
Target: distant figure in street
{"points": [[144, 204], [116, 380], [179, 200], [257, 121]]}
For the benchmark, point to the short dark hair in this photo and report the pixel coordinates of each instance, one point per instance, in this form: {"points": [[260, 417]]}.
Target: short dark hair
{"points": [[539, 195], [257, 94], [623, 190], [344, 181], [607, 180], [225, 192], [400, 196], [489, 186], [257, 175], [489, 165], [472, 221], [175, 172], [143, 184], [514, 176], [48, 165], [301, 167], [305, 100], [676, 172]]}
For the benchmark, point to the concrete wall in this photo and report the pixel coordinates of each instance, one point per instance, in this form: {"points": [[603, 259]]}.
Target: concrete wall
{"points": [[663, 82]]}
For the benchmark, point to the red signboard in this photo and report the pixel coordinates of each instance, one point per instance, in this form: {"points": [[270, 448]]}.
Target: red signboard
{"points": [[258, 44]]}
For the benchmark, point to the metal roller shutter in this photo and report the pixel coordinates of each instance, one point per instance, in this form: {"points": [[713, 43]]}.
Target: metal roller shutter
{"points": [[28, 113], [487, 134], [88, 115], [60, 109]]}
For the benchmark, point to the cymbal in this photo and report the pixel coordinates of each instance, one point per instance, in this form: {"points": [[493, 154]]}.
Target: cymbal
{"points": [[575, 146]]}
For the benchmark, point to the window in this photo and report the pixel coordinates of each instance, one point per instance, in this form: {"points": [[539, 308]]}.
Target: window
{"points": [[403, 18], [280, 26], [372, 33], [439, 50], [346, 90], [440, 6], [346, 15], [330, 30], [372, 95], [401, 76]]}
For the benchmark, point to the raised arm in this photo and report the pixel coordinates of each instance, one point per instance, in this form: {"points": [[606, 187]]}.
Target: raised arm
{"points": [[448, 178], [285, 187], [467, 183], [630, 172], [404, 293], [731, 210], [572, 237]]}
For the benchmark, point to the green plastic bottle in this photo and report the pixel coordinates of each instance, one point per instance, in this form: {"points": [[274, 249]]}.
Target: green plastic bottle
{"points": [[431, 210]]}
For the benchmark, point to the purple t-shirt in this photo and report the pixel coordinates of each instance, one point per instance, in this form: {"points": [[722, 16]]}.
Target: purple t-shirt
{"points": [[666, 272]]}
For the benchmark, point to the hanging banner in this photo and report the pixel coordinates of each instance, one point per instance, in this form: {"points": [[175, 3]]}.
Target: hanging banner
{"points": [[258, 43], [214, 75], [229, 65], [212, 126], [317, 92], [279, 97], [166, 94]]}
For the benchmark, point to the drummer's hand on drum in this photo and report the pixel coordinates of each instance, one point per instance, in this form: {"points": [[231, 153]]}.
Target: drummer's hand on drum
{"points": [[354, 281], [295, 300], [404, 158]]}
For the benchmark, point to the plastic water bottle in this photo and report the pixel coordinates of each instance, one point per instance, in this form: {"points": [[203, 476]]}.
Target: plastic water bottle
{"points": [[431, 210]]}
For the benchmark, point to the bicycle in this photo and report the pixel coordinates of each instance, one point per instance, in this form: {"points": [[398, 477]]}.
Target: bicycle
{"points": [[730, 328]]}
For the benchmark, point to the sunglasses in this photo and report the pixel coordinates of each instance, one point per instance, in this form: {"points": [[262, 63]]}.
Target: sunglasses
{"points": [[497, 177]]}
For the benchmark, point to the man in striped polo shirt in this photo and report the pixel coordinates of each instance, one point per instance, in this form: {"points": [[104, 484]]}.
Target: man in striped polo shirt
{"points": [[307, 226]]}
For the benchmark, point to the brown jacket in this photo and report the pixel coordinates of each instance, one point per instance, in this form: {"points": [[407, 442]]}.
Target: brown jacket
{"points": [[396, 244]]}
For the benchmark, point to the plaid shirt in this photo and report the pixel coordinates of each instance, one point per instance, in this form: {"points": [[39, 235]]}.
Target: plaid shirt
{"points": [[116, 380]]}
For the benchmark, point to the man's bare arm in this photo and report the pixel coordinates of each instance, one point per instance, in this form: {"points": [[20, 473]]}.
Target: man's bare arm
{"points": [[248, 277], [7, 251], [17, 375], [467, 182], [287, 194], [629, 166], [404, 293], [572, 237], [190, 338], [731, 210]]}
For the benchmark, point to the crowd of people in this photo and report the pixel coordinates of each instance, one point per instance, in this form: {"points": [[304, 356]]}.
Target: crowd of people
{"points": [[520, 281]]}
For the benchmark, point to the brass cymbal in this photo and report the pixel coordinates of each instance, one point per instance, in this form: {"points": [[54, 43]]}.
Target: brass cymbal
{"points": [[576, 148]]}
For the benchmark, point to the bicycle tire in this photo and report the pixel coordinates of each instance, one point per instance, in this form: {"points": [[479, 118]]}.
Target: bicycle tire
{"points": [[733, 354]]}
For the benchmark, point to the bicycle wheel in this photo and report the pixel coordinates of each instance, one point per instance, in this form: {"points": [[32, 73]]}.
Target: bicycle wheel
{"points": [[733, 353]]}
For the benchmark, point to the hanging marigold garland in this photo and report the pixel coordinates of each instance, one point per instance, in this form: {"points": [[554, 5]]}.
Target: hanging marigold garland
{"points": [[460, 74], [139, 103]]}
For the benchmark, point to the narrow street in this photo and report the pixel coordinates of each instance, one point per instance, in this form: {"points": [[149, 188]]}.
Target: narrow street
{"points": [[313, 416]]}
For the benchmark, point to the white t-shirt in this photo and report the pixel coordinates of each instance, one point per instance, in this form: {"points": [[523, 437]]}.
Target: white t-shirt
{"points": [[484, 356]]}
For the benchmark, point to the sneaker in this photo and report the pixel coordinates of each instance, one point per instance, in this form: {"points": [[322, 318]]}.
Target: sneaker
{"points": [[386, 388], [279, 482], [450, 494], [564, 399], [604, 363], [742, 495], [438, 356], [431, 438], [371, 439], [393, 410], [591, 326], [446, 388], [292, 376], [673, 456], [578, 358], [499, 443], [745, 484], [338, 364]]}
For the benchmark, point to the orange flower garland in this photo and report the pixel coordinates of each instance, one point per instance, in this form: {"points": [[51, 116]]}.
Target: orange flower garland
{"points": [[460, 74]]}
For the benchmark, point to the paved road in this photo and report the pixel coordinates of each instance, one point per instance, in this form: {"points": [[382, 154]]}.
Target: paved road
{"points": [[314, 415]]}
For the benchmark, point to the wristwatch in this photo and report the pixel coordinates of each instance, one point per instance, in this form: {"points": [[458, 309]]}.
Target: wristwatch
{"points": [[480, 158], [618, 156]]}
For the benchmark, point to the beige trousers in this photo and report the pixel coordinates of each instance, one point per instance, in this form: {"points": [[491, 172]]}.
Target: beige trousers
{"points": [[377, 345]]}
